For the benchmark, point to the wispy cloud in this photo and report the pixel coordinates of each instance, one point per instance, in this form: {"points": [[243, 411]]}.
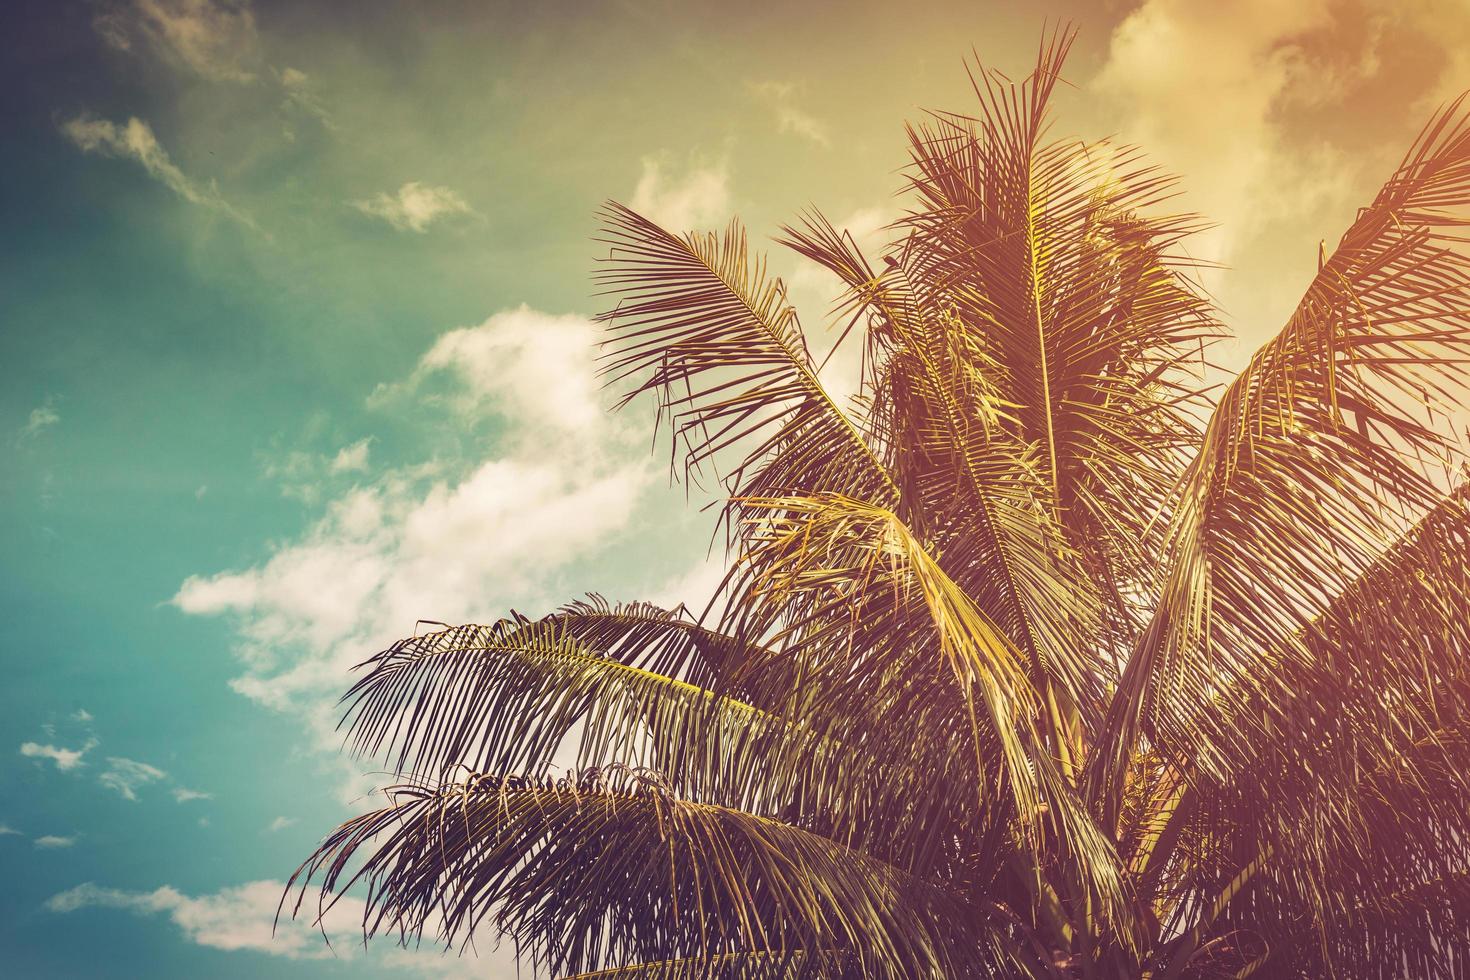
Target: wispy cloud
{"points": [[42, 417], [353, 458], [134, 140], [53, 842], [279, 824], [81, 715], [696, 197], [8, 831], [216, 39], [790, 118], [65, 759], [414, 206], [182, 794], [126, 776], [300, 95]]}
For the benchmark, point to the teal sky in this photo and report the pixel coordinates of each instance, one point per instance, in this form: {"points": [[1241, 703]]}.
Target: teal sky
{"points": [[293, 326]]}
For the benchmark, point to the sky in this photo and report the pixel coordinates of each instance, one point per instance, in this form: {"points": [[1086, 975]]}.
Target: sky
{"points": [[296, 348]]}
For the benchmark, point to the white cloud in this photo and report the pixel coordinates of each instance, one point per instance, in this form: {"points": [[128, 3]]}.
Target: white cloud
{"points": [[82, 715], [183, 794], [385, 556], [216, 39], [8, 831], [455, 540], [127, 775], [64, 758], [51, 842], [414, 207], [42, 417], [697, 199], [236, 918], [353, 458], [134, 140], [789, 117], [243, 918], [528, 366], [279, 824]]}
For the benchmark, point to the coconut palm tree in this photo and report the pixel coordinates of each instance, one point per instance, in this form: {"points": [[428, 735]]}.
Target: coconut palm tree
{"points": [[1039, 657]]}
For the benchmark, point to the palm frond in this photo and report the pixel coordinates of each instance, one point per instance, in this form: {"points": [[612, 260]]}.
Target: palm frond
{"points": [[620, 871], [968, 483], [1360, 791], [706, 330], [1049, 253], [1284, 507], [916, 644], [508, 697]]}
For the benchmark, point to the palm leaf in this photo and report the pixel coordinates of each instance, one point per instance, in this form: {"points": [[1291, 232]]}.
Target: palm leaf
{"points": [[1284, 506], [700, 326], [625, 872]]}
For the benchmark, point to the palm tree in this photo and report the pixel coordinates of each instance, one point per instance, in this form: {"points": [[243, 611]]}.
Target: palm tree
{"points": [[1040, 658]]}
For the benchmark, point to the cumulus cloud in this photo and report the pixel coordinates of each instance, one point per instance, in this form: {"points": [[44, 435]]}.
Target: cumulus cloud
{"points": [[531, 367], [53, 842], [1240, 100], [235, 918], [696, 198], [64, 758], [216, 39], [449, 539], [126, 776], [134, 140], [790, 118], [243, 918], [414, 206], [1168, 56]]}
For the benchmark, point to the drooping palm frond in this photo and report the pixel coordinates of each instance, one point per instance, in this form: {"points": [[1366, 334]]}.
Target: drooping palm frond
{"points": [[517, 695], [619, 870], [1359, 793], [764, 965], [1313, 463]]}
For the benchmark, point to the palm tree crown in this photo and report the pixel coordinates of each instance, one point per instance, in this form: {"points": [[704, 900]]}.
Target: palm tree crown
{"points": [[1037, 659]]}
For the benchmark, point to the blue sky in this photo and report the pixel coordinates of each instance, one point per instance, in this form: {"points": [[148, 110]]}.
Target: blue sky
{"points": [[294, 330]]}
